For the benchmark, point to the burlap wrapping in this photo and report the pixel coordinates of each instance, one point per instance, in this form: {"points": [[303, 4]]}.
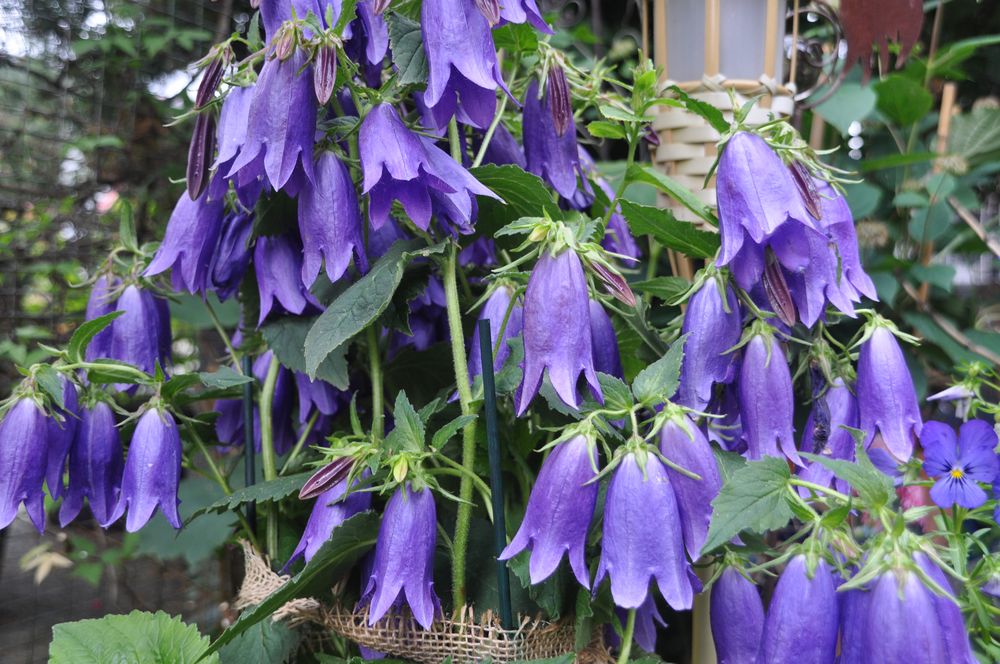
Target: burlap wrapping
{"points": [[464, 640]]}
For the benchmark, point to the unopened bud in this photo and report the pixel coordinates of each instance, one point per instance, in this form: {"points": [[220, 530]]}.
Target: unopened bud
{"points": [[326, 477], [490, 9], [807, 189], [559, 102], [284, 45], [325, 73], [381, 6], [200, 154], [615, 283], [211, 79], [777, 290]]}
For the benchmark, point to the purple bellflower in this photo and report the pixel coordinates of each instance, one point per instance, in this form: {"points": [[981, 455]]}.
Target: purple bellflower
{"points": [[901, 623], [317, 396], [232, 255], [803, 618], [556, 336], [766, 400], [503, 149], [737, 617], [95, 466], [330, 222], [643, 537], [647, 617], [853, 607], [604, 342], [404, 557], [62, 429], [401, 165], [190, 243], [683, 443], [523, 11], [887, 401], [495, 311], [369, 42], [152, 472], [481, 252], [825, 434], [953, 632], [428, 320], [550, 155], [959, 465], [233, 121], [100, 303], [712, 323], [24, 433], [229, 425], [461, 57], [140, 336], [278, 262], [559, 511], [330, 510]]}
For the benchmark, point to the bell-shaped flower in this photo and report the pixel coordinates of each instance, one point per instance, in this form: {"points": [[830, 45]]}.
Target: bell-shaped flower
{"points": [[404, 558], [803, 617], [369, 42], [495, 311], [137, 336], [737, 618], [101, 302], [647, 617], [190, 242], [317, 396], [234, 118], [853, 607], [684, 444], [62, 429], [275, 12], [400, 165], [95, 466], [152, 472], [643, 538], [712, 323], [232, 255], [825, 433], [481, 252], [550, 155], [229, 424], [331, 509], [902, 623], [464, 72], [523, 11], [953, 632], [330, 222], [428, 320], [277, 260], [24, 432], [503, 149], [604, 342], [959, 464], [559, 511], [887, 400], [767, 403], [557, 336]]}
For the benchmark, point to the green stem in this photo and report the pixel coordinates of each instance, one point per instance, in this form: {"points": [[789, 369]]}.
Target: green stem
{"points": [[267, 456], [300, 443], [375, 371], [489, 132], [821, 489], [223, 483], [224, 336], [629, 159], [456, 146], [627, 637], [464, 518]]}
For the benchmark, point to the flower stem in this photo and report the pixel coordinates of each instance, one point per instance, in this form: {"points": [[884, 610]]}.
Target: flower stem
{"points": [[464, 517], [217, 324], [627, 637], [456, 146], [300, 443], [267, 458], [223, 483], [375, 371], [833, 493]]}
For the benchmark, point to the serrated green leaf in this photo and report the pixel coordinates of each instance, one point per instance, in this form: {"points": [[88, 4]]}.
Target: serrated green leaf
{"points": [[754, 498], [348, 10], [658, 382], [287, 338], [136, 638], [604, 129], [178, 384], [408, 434], [263, 492], [509, 376], [639, 173], [407, 45], [223, 378], [975, 135], [668, 230], [524, 195], [874, 486], [617, 396], [515, 38], [48, 379], [444, 434], [706, 111], [76, 347], [667, 289], [267, 642]]}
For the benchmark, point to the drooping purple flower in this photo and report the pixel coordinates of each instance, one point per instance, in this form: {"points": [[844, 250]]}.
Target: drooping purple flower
{"points": [[427, 320], [137, 336], [825, 433], [24, 433], [275, 12], [190, 242], [643, 537], [712, 323], [959, 464], [330, 222], [902, 624], [234, 119], [277, 260], [853, 606], [481, 252], [559, 511], [887, 401], [330, 510], [400, 165], [737, 617], [647, 617], [557, 337], [551, 156], [495, 311], [152, 472], [100, 303], [503, 149], [953, 632], [404, 557], [803, 618], [232, 255], [684, 444], [618, 238], [95, 466], [369, 42], [523, 11], [62, 429], [317, 396], [461, 57], [604, 342], [727, 428], [766, 400]]}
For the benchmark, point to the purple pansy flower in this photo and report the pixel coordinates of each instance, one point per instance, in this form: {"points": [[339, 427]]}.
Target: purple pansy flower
{"points": [[737, 617], [712, 323], [959, 465], [495, 311], [277, 260], [330, 510], [95, 466], [643, 537], [24, 433], [557, 337], [550, 155], [152, 472], [604, 341], [404, 557], [232, 255], [766, 400], [190, 242], [559, 511], [803, 618], [887, 401]]}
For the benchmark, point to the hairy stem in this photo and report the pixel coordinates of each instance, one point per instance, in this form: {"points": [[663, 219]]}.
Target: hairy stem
{"points": [[375, 373], [627, 637], [267, 456]]}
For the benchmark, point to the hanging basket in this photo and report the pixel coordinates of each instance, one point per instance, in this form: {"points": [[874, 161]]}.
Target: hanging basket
{"points": [[464, 640]]}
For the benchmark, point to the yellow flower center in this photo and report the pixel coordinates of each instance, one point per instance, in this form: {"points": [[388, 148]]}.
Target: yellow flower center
{"points": [[957, 473]]}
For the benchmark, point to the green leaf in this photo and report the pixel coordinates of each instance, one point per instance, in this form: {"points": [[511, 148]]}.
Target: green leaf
{"points": [[682, 236], [355, 308], [407, 49], [48, 379], [863, 198], [267, 642], [408, 434], [667, 289], [348, 11], [445, 433], [975, 135], [178, 384], [658, 382], [928, 224], [137, 638], [616, 393], [850, 103], [524, 195], [348, 542], [910, 199], [670, 187], [287, 338], [509, 377], [941, 276], [706, 111], [112, 371], [515, 38], [549, 593], [754, 498], [198, 541], [76, 347], [225, 377], [126, 228], [895, 161], [874, 486], [270, 491], [620, 114], [902, 100], [949, 57], [605, 129]]}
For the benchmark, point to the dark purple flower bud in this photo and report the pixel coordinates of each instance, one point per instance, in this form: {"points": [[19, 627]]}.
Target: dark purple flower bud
{"points": [[557, 90], [842, 411], [556, 337], [331, 510], [190, 243], [24, 433], [317, 396], [464, 72], [643, 537], [284, 44], [101, 302], [404, 557], [200, 154], [325, 478], [806, 185], [551, 528], [62, 429], [495, 311], [152, 472], [95, 466], [902, 622], [277, 261], [684, 444], [614, 282], [887, 401], [325, 73], [713, 326], [400, 165], [737, 617], [232, 255], [766, 400], [776, 288], [523, 11], [803, 618], [330, 222], [503, 149], [210, 80], [959, 464], [490, 9], [137, 335], [953, 632], [604, 342], [379, 6], [551, 156]]}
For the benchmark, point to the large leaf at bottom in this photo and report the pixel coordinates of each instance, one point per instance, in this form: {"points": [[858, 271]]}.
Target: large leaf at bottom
{"points": [[668, 230], [137, 638]]}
